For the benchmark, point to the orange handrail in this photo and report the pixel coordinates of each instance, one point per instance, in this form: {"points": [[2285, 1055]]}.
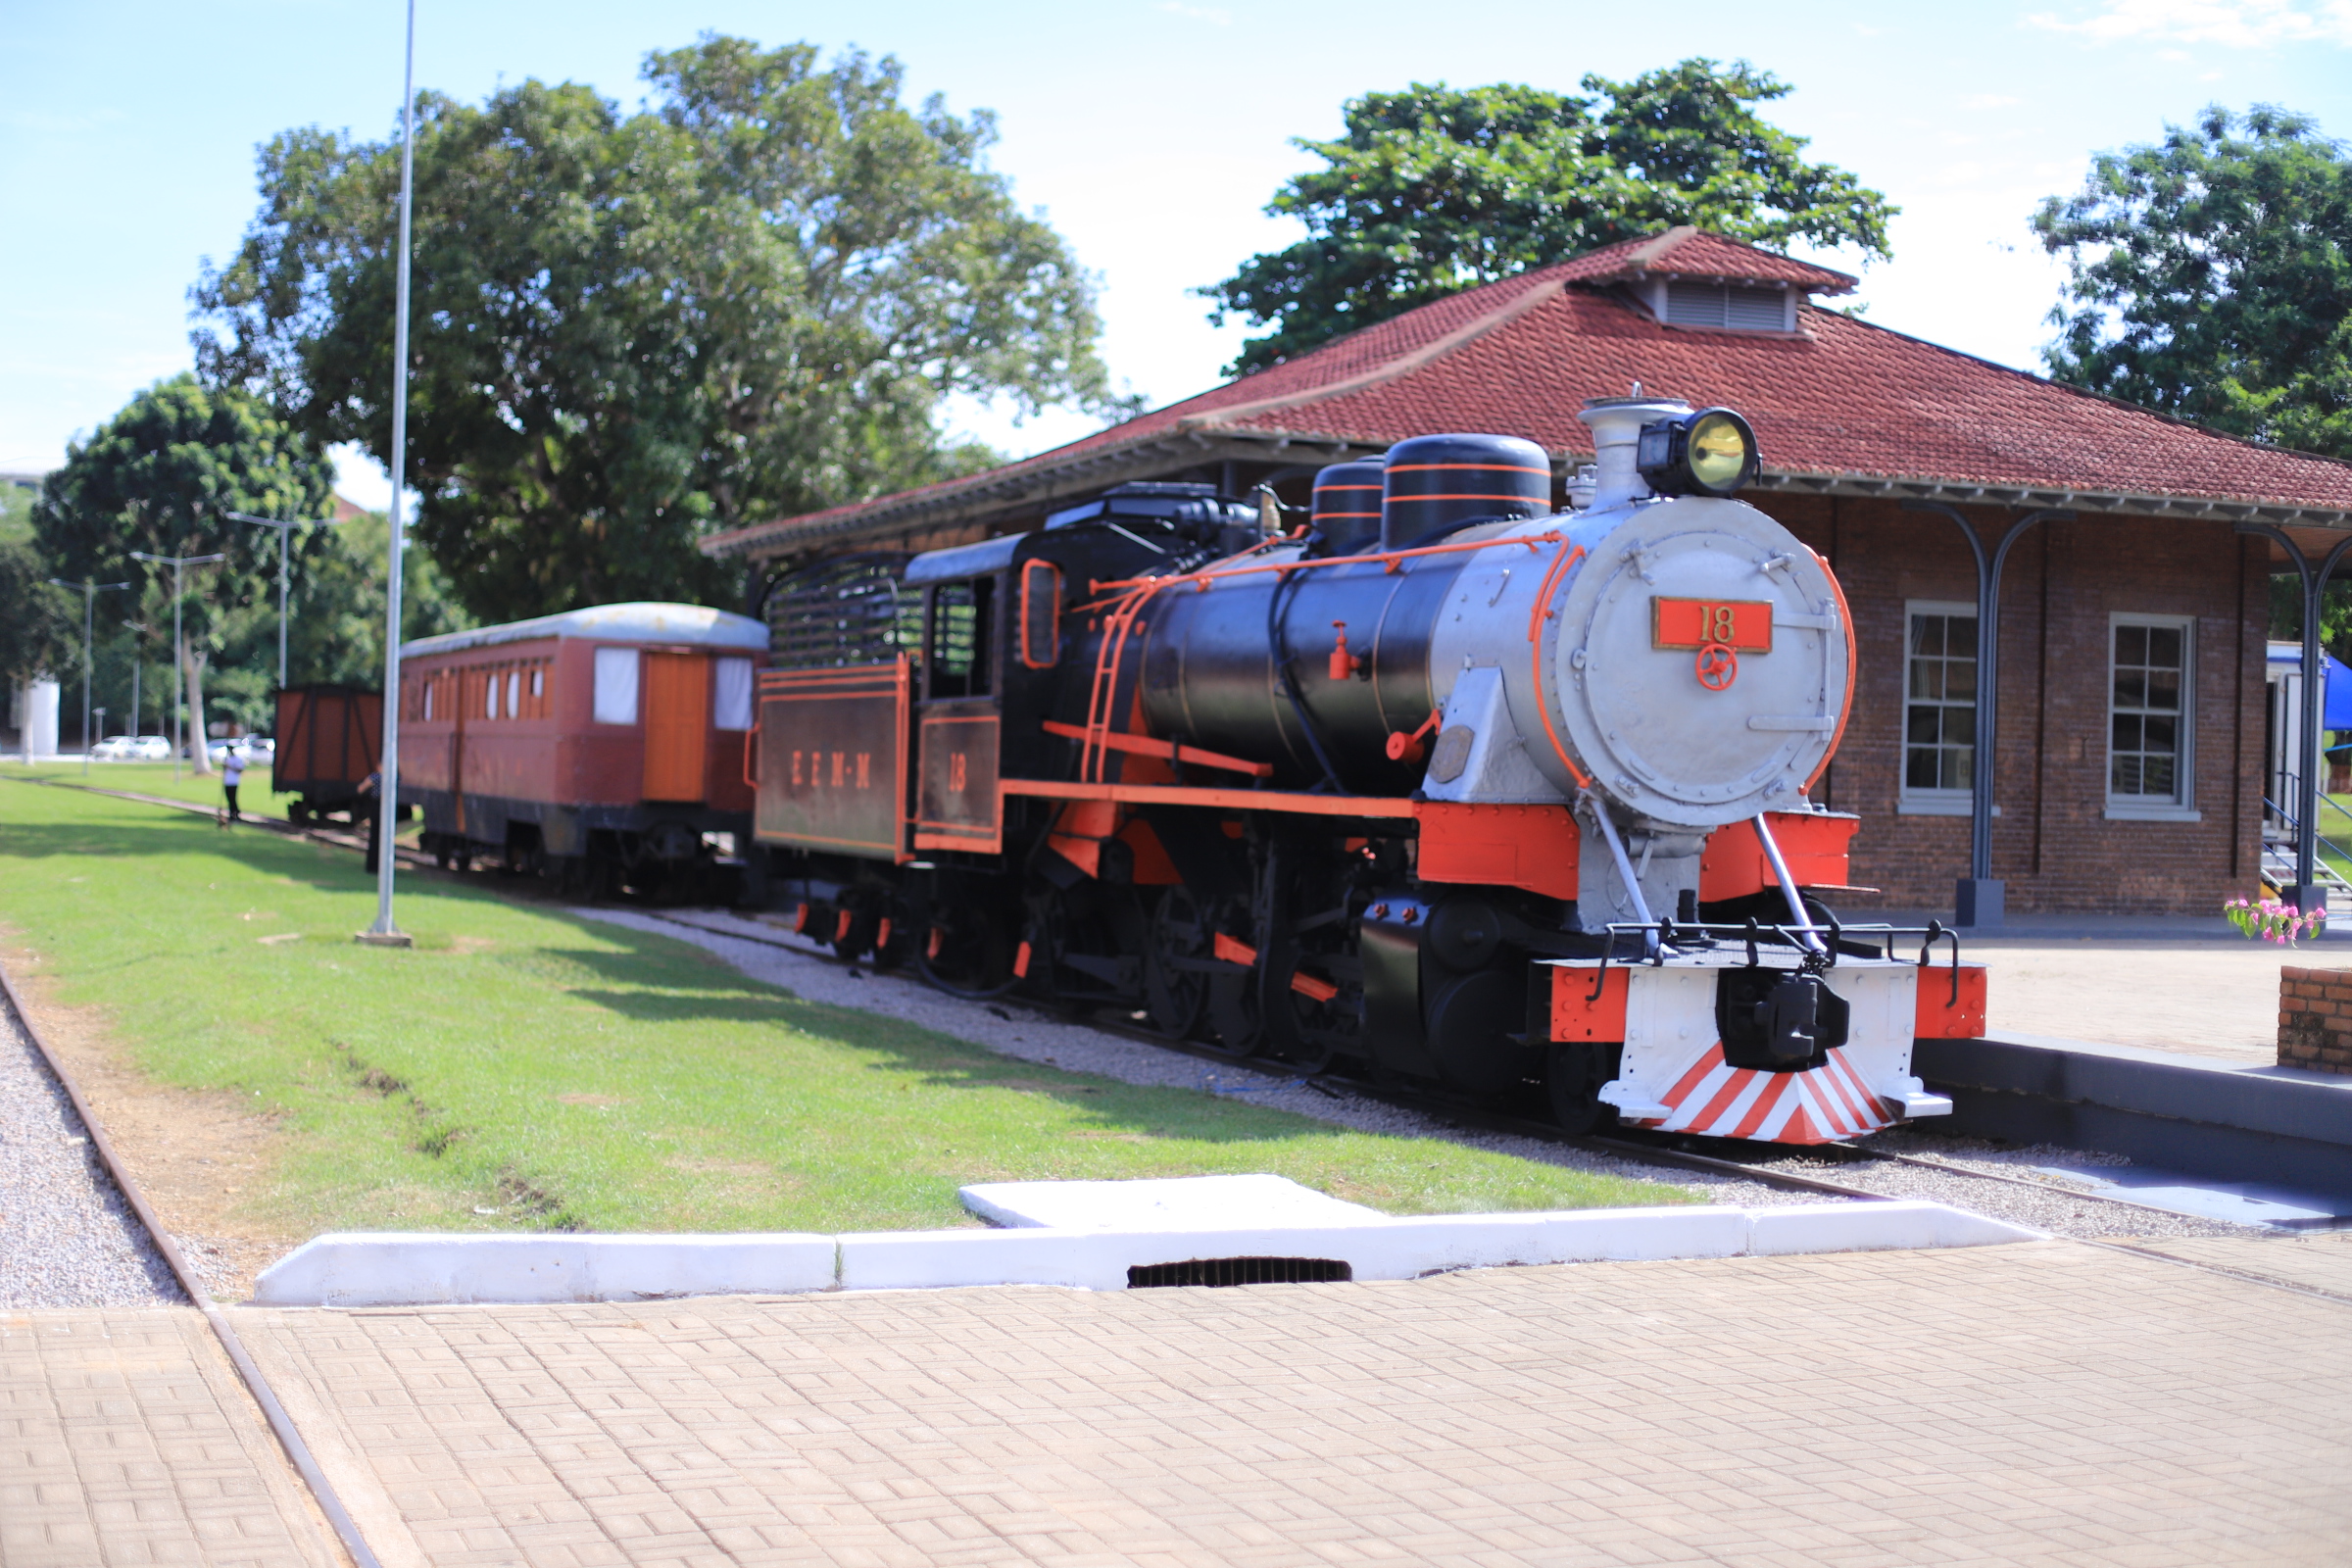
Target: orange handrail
{"points": [[1166, 751], [1207, 576]]}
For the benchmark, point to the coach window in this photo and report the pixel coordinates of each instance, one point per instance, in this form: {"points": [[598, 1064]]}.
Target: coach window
{"points": [[615, 686], [2150, 717], [960, 617], [1939, 709], [730, 693]]}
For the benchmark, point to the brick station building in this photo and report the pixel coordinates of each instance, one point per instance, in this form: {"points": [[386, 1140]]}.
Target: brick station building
{"points": [[2134, 716]]}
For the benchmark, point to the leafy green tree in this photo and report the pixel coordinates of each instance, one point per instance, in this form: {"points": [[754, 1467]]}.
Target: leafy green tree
{"points": [[161, 477], [40, 634], [631, 332], [15, 512], [2209, 277], [1437, 190], [338, 618]]}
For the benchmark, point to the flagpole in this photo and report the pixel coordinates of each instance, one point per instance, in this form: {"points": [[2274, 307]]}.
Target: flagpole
{"points": [[385, 932]]}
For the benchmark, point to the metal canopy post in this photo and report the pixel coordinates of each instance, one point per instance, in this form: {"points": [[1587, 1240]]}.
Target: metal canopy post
{"points": [[1979, 899], [2307, 894]]}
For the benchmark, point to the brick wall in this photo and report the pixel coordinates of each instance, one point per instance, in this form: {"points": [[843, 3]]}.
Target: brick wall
{"points": [[2054, 843], [2314, 1019]]}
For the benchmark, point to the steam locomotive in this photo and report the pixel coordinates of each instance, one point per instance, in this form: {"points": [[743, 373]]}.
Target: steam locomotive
{"points": [[1445, 788]]}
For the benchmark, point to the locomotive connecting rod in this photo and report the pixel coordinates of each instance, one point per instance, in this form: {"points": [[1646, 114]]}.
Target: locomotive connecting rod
{"points": [[1980, 896]]}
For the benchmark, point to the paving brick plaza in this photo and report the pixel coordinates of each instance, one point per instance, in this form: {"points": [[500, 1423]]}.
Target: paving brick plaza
{"points": [[2050, 1402]]}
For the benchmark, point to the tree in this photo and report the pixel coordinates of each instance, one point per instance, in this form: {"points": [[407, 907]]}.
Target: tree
{"points": [[633, 331], [2209, 277], [40, 634], [1435, 189], [161, 477]]}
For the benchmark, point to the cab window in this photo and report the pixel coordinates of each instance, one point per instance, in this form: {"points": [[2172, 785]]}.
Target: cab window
{"points": [[960, 641]]}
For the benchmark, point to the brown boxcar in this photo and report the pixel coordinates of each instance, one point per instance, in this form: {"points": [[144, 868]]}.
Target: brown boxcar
{"points": [[597, 746], [327, 740]]}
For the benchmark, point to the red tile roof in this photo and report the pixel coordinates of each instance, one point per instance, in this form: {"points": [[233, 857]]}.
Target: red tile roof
{"points": [[1841, 401], [1695, 253]]}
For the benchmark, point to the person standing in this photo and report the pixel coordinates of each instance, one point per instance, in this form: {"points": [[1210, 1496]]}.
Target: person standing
{"points": [[233, 772]]}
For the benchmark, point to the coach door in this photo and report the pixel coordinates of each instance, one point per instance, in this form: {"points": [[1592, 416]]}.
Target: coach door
{"points": [[956, 805], [678, 725]]}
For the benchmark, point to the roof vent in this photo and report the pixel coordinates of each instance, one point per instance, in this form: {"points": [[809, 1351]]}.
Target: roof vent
{"points": [[1733, 307]]}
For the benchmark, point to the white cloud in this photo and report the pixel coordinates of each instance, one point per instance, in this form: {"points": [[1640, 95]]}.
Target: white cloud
{"points": [[2230, 23], [1988, 100], [1216, 15]]}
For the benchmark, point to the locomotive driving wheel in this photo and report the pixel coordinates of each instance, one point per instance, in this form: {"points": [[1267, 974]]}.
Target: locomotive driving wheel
{"points": [[962, 946], [1175, 972]]}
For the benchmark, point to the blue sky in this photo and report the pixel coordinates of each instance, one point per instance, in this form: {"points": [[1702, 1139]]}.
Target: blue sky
{"points": [[1151, 132]]}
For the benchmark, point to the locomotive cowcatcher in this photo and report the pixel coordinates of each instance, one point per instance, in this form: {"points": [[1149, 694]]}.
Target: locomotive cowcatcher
{"points": [[1447, 789]]}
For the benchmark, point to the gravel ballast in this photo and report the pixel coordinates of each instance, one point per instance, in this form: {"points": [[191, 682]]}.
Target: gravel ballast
{"points": [[67, 1238], [767, 953]]}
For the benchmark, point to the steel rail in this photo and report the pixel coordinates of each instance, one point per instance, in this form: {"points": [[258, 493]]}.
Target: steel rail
{"points": [[282, 1425]]}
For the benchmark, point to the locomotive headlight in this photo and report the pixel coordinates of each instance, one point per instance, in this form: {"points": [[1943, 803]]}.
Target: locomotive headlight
{"points": [[1710, 453]]}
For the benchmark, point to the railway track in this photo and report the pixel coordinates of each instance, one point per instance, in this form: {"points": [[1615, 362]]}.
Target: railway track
{"points": [[1753, 1163], [1657, 1150]]}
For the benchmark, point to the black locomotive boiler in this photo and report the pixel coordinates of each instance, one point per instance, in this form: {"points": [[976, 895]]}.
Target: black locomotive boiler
{"points": [[1445, 788]]}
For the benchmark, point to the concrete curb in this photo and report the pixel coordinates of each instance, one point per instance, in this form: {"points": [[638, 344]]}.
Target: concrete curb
{"points": [[416, 1270], [2229, 1121], [396, 1269]]}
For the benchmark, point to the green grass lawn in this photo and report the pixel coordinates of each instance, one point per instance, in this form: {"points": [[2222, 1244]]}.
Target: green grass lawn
{"points": [[155, 778], [556, 1072]]}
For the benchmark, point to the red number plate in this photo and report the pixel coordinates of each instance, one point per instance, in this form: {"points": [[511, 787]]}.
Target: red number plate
{"points": [[1743, 625]]}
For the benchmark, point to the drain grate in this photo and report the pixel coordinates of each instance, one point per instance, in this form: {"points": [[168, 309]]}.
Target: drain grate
{"points": [[1240, 1271]]}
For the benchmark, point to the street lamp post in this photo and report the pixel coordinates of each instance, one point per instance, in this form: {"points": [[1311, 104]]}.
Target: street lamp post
{"points": [[180, 566], [139, 661], [85, 750], [284, 528], [89, 597], [385, 932]]}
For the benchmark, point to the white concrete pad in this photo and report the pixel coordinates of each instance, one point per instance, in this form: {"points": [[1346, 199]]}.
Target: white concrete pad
{"points": [[395, 1269], [1166, 1203], [356, 1270]]}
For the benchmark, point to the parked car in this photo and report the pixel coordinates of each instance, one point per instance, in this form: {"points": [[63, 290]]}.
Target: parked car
{"points": [[257, 752], [114, 749], [150, 748]]}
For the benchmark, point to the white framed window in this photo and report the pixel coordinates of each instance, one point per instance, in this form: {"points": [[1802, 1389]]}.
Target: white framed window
{"points": [[1939, 709], [490, 694], [615, 686], [730, 694], [514, 693], [2151, 716]]}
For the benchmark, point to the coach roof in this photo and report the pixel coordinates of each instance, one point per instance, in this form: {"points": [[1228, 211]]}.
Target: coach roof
{"points": [[1840, 407], [643, 621]]}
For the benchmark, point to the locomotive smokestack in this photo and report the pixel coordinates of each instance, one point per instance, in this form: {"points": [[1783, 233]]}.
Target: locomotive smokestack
{"points": [[1616, 434]]}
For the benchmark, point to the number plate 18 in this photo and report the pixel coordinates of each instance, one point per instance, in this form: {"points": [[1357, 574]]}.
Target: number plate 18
{"points": [[1743, 625]]}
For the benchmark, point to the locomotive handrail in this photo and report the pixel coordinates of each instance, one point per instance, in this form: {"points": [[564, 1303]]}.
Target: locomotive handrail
{"points": [[1209, 576], [1153, 746], [1664, 932]]}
